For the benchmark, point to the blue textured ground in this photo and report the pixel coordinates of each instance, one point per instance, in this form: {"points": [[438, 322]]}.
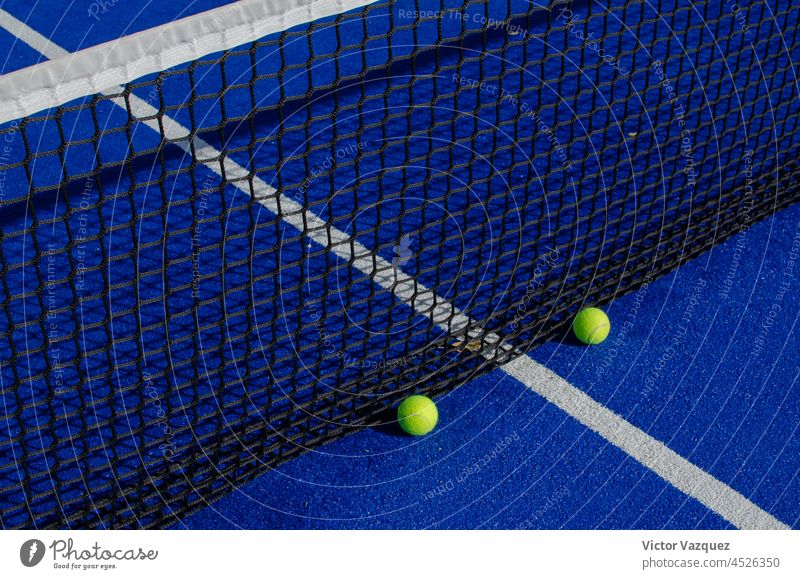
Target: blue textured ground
{"points": [[719, 387], [79, 24]]}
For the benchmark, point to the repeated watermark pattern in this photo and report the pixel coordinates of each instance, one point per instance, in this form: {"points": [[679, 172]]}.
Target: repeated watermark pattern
{"points": [[740, 14], [784, 287], [744, 218], [677, 336], [686, 145], [340, 153], [82, 234], [544, 263], [325, 340], [201, 206], [525, 110], [51, 321], [168, 447], [615, 344], [5, 157], [100, 8], [487, 22], [404, 251]]}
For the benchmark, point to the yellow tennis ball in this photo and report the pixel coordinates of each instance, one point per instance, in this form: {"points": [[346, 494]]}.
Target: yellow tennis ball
{"points": [[417, 415], [591, 326]]}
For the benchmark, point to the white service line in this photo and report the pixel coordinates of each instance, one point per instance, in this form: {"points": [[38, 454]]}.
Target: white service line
{"points": [[645, 449]]}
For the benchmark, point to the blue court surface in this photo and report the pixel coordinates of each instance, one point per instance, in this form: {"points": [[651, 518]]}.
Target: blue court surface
{"points": [[704, 360]]}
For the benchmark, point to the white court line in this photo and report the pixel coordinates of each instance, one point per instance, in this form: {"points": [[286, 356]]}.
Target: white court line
{"points": [[31, 37], [651, 453]]}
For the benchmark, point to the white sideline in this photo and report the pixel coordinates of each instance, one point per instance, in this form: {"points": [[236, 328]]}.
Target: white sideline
{"points": [[651, 453]]}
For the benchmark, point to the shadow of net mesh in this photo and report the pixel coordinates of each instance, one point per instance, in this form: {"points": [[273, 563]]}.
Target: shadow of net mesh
{"points": [[215, 268]]}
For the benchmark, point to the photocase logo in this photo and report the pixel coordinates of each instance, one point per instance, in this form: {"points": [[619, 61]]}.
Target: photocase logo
{"points": [[403, 252], [31, 553]]}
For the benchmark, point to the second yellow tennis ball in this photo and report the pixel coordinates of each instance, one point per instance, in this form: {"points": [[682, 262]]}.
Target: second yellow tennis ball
{"points": [[591, 326], [417, 415]]}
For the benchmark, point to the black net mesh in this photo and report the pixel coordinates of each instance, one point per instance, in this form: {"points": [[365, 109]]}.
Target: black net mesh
{"points": [[215, 268]]}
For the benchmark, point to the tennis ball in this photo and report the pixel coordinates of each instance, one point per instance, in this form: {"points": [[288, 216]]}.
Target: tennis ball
{"points": [[417, 415], [591, 326]]}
